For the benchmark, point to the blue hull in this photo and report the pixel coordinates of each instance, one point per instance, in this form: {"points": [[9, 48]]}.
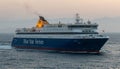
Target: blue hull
{"points": [[73, 45]]}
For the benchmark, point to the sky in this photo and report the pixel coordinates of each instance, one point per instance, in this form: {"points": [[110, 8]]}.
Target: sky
{"points": [[23, 13]]}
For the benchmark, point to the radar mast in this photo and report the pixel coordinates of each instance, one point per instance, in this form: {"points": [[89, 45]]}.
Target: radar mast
{"points": [[78, 19]]}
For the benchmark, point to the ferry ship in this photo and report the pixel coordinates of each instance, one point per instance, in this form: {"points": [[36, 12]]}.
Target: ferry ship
{"points": [[82, 37]]}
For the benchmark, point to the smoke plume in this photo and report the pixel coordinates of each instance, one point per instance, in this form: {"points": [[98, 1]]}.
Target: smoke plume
{"points": [[29, 9]]}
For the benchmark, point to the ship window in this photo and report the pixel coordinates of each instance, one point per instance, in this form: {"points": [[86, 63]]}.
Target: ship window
{"points": [[83, 26], [59, 25]]}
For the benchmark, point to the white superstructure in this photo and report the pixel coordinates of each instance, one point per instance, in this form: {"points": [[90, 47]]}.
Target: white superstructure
{"points": [[78, 27]]}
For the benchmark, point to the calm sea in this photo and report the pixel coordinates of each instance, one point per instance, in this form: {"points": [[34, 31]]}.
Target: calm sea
{"points": [[109, 58]]}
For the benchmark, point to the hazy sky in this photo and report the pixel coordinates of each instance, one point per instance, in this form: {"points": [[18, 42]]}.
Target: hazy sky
{"points": [[13, 10]]}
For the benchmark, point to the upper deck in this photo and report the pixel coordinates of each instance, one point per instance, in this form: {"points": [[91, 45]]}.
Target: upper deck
{"points": [[43, 27]]}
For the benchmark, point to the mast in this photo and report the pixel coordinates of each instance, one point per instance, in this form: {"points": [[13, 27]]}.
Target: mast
{"points": [[78, 19]]}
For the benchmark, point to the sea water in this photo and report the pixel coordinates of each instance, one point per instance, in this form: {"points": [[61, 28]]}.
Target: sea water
{"points": [[109, 57]]}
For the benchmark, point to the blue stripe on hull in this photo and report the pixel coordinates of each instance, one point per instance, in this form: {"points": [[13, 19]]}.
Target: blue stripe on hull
{"points": [[88, 45]]}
